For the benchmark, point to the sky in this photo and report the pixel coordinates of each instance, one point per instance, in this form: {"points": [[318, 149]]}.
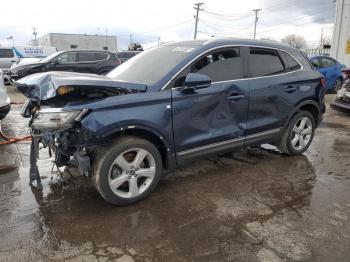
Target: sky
{"points": [[167, 20]]}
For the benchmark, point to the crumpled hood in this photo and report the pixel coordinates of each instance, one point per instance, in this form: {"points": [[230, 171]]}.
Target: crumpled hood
{"points": [[25, 65], [29, 62], [43, 86]]}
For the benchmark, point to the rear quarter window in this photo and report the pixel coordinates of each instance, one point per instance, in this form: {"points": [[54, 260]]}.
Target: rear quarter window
{"points": [[264, 62], [290, 63], [6, 53]]}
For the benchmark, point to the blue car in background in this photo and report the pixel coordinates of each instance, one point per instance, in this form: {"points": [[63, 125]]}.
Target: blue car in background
{"points": [[330, 69]]}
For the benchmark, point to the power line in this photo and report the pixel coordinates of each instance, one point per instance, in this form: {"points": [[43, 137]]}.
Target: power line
{"points": [[212, 27], [156, 30], [307, 23], [295, 18]]}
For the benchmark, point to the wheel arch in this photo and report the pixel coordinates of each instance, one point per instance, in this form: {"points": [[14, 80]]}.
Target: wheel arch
{"points": [[149, 134], [310, 106]]}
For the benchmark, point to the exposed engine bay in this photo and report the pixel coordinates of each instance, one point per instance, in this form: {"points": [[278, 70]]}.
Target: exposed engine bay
{"points": [[57, 127]]}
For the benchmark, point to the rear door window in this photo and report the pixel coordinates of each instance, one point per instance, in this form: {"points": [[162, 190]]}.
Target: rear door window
{"points": [[220, 65], [327, 62], [290, 63], [6, 53], [101, 56], [264, 62], [86, 56]]}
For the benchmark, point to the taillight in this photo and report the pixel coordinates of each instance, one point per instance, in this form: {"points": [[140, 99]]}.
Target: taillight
{"points": [[323, 84]]}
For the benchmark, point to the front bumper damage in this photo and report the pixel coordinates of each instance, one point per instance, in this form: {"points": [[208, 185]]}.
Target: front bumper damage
{"points": [[69, 141], [342, 100], [66, 148]]}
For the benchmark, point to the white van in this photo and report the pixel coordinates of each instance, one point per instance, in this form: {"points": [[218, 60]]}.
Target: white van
{"points": [[4, 98], [34, 51]]}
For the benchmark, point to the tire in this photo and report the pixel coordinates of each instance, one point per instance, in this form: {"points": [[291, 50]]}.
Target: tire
{"points": [[121, 178], [296, 147], [337, 85], [103, 72]]}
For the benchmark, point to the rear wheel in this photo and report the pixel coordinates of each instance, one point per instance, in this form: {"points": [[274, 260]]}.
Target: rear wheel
{"points": [[337, 85], [128, 171], [299, 134]]}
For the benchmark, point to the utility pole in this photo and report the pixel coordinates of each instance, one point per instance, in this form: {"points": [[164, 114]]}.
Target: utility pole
{"points": [[321, 40], [256, 11], [130, 39], [106, 37], [158, 39], [35, 34], [197, 6]]}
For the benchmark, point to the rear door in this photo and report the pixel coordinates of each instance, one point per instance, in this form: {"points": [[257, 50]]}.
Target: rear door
{"points": [[273, 90], [329, 70], [210, 119], [87, 62]]}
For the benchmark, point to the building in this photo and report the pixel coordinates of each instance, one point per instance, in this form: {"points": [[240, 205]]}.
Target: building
{"points": [[340, 49], [77, 41]]}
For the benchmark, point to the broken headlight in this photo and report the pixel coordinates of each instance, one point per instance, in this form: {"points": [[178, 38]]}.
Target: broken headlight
{"points": [[56, 118]]}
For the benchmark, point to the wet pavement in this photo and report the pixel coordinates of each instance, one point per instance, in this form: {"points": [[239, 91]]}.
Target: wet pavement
{"points": [[256, 205]]}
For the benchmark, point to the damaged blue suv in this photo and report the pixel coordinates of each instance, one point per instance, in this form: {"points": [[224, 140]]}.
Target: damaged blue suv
{"points": [[170, 105]]}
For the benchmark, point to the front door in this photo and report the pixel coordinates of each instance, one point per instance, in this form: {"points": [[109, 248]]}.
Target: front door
{"points": [[64, 62], [211, 119]]}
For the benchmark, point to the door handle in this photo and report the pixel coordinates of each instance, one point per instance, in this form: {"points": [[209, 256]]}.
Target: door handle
{"points": [[291, 89], [235, 97]]}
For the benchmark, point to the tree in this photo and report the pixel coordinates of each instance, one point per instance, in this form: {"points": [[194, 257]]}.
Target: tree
{"points": [[293, 40]]}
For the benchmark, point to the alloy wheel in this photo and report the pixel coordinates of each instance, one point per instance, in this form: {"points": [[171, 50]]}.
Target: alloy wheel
{"points": [[337, 85], [132, 173], [301, 133]]}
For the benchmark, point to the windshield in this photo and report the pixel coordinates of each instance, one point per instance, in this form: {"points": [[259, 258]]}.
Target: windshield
{"points": [[48, 58], [150, 66]]}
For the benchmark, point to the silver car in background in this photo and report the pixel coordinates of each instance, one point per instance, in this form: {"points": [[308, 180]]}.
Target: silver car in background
{"points": [[7, 58], [5, 104]]}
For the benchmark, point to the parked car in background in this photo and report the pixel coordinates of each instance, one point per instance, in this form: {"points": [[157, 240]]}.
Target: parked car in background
{"points": [[126, 55], [342, 99], [8, 57], [330, 69], [173, 104], [13, 55], [85, 61], [4, 99]]}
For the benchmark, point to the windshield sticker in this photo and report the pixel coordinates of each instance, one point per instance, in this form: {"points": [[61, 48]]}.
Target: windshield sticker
{"points": [[183, 49]]}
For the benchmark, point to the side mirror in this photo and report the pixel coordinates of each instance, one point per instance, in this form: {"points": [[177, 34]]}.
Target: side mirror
{"points": [[55, 62], [197, 81]]}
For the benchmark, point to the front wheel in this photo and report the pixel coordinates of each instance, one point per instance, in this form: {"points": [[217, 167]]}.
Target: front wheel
{"points": [[127, 172], [299, 134]]}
